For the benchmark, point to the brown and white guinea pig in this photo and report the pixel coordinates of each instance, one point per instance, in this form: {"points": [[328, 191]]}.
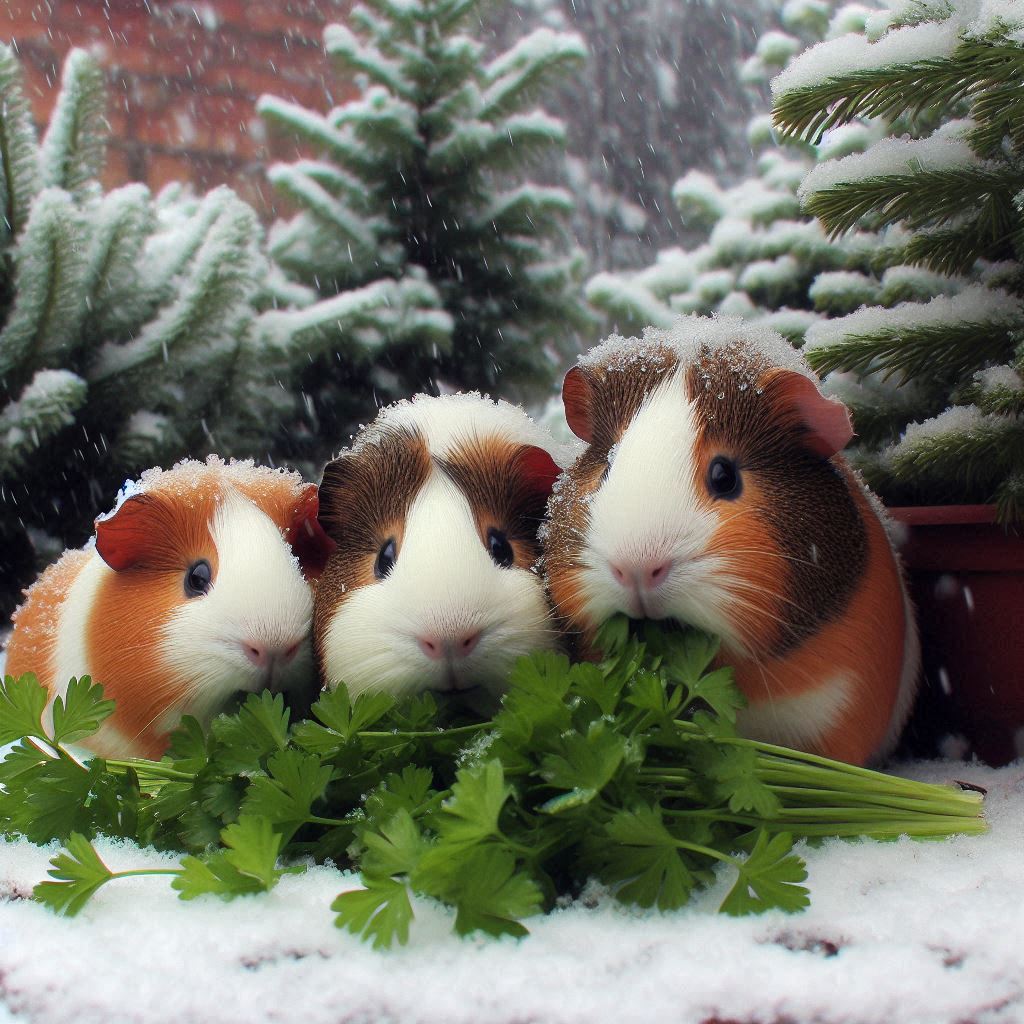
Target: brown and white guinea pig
{"points": [[712, 492], [435, 511], [197, 585]]}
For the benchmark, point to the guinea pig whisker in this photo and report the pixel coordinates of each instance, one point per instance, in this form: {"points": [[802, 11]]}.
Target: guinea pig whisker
{"points": [[744, 584]]}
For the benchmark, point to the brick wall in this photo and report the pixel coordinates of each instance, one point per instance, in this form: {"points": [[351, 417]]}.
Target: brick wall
{"points": [[184, 78]]}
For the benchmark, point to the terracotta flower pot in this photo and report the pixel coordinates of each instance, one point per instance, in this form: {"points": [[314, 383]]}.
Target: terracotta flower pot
{"points": [[967, 579]]}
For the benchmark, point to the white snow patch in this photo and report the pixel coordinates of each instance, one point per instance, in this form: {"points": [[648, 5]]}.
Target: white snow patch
{"points": [[922, 933], [976, 304], [853, 52], [688, 335], [942, 150]]}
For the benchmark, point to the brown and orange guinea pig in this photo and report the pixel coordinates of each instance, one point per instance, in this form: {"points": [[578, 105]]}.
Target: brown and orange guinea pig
{"points": [[197, 585], [433, 585], [712, 493]]}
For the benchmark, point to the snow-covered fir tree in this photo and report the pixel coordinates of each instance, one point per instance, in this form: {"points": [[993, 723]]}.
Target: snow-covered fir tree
{"points": [[761, 257], [660, 92], [434, 265], [936, 380], [127, 333]]}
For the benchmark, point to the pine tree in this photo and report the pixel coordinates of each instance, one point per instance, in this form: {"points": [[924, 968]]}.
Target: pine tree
{"points": [[127, 334], [761, 257], [433, 264], [947, 85]]}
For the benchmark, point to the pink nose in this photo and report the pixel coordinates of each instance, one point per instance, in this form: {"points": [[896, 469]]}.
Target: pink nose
{"points": [[643, 575], [438, 647], [264, 655]]}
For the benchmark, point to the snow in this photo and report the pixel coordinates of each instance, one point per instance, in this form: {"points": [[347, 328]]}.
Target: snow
{"points": [[916, 932], [943, 150], [688, 334], [955, 421], [853, 52], [976, 304]]}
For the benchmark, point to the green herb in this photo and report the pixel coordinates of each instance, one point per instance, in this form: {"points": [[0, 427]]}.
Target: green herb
{"points": [[629, 772]]}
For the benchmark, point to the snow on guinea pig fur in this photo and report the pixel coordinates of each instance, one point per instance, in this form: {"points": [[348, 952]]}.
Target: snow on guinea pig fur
{"points": [[197, 585], [435, 511], [712, 492]]}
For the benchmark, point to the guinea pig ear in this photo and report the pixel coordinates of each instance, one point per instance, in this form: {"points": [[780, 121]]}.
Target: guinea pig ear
{"points": [[826, 420], [309, 543], [538, 470], [130, 535], [577, 396]]}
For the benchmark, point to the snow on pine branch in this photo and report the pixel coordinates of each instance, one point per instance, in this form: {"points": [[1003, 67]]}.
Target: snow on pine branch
{"points": [[945, 149], [974, 305], [521, 68], [344, 45], [854, 53]]}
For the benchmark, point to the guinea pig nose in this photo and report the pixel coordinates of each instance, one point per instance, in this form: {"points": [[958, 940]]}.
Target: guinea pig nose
{"points": [[437, 647], [647, 574], [258, 654]]}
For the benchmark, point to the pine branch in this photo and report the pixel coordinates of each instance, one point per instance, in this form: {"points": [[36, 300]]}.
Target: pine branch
{"points": [[19, 151], [49, 302], [961, 448], [924, 198], [46, 406], [974, 70], [927, 350], [72, 151]]}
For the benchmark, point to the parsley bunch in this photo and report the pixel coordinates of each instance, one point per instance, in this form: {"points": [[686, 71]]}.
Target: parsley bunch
{"points": [[629, 772]]}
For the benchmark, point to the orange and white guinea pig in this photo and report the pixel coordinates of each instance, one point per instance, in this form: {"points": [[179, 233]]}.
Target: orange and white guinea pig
{"points": [[197, 585], [435, 511], [712, 492]]}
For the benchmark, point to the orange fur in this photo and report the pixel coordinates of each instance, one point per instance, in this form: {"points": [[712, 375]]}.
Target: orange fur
{"points": [[865, 645], [37, 621]]}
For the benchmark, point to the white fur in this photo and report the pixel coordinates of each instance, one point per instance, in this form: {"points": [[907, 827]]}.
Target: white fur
{"points": [[258, 595], [443, 582], [648, 508], [798, 721], [70, 657]]}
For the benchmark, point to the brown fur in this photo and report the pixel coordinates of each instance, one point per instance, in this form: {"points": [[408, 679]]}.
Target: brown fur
{"points": [[488, 472], [364, 498]]}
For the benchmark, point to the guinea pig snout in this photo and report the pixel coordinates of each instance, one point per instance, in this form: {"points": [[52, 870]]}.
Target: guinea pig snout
{"points": [[439, 646], [639, 575], [266, 656]]}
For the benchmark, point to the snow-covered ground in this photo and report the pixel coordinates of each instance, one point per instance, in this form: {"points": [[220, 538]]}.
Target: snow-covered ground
{"points": [[897, 932]]}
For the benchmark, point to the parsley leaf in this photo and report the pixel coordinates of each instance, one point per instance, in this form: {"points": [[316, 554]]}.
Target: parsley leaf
{"points": [[768, 878], [22, 702], [80, 712], [470, 815], [78, 871], [381, 912]]}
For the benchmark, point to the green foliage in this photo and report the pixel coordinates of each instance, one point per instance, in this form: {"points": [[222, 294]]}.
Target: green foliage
{"points": [[127, 323], [628, 771], [428, 259], [958, 214]]}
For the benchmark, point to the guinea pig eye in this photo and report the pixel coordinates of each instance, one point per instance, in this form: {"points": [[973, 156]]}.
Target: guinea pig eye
{"points": [[385, 559], [724, 479], [198, 578], [499, 548]]}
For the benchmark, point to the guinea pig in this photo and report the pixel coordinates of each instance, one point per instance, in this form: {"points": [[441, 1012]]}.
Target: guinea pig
{"points": [[712, 493], [435, 510], [196, 585]]}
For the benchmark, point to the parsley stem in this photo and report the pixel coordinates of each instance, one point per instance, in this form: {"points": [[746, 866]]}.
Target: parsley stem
{"points": [[315, 819], [146, 871], [155, 769], [438, 733]]}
